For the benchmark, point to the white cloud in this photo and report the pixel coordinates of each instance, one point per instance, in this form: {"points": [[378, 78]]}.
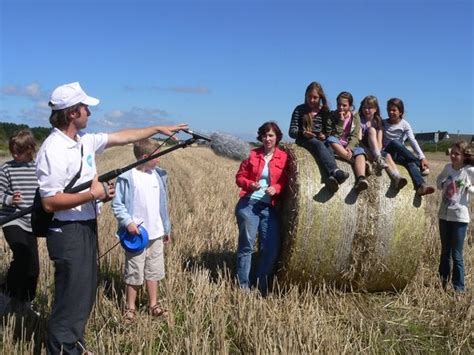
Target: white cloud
{"points": [[133, 117], [114, 114], [31, 91], [43, 105]]}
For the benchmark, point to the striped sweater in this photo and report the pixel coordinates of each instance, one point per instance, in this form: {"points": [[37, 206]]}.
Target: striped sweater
{"points": [[15, 176], [297, 118]]}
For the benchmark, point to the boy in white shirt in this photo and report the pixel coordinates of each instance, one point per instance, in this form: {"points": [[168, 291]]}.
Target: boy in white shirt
{"points": [[141, 198]]}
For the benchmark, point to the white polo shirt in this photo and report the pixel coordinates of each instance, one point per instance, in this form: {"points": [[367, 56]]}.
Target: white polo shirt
{"points": [[58, 161]]}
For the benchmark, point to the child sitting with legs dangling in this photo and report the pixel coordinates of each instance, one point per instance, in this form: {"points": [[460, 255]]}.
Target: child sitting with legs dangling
{"points": [[372, 136], [343, 132]]}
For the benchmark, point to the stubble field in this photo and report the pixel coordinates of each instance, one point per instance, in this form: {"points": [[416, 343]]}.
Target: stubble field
{"points": [[209, 314]]}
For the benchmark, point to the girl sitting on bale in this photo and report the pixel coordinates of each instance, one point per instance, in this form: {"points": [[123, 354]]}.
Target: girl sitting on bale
{"points": [[344, 129], [372, 136], [306, 127], [395, 131]]}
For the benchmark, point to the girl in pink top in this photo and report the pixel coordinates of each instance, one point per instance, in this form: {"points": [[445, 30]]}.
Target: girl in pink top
{"points": [[343, 137]]}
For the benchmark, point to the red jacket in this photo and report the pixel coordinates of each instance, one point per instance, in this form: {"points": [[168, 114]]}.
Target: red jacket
{"points": [[251, 169]]}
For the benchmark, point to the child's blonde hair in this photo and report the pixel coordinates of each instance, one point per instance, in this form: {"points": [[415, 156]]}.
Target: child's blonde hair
{"points": [[22, 142], [144, 147]]}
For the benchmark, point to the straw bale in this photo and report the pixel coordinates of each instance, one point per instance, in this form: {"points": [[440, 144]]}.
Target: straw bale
{"points": [[369, 241]]}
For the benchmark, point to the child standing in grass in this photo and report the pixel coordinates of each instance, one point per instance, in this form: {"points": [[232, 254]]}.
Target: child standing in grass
{"points": [[456, 180], [141, 197], [17, 189], [372, 136], [343, 132]]}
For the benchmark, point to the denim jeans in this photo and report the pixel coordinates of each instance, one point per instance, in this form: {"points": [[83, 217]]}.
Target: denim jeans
{"points": [[403, 156], [323, 155], [452, 243], [252, 217]]}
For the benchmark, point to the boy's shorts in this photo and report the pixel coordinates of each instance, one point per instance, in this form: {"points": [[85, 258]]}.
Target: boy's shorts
{"points": [[148, 265], [355, 151]]}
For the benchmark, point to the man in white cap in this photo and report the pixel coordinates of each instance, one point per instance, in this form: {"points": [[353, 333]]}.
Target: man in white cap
{"points": [[69, 155]]}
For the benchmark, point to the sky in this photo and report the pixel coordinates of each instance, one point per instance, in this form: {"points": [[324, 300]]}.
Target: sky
{"points": [[230, 65]]}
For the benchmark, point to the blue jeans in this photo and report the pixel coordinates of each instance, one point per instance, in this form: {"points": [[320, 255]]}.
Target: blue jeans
{"points": [[403, 156], [320, 151], [452, 243], [252, 217]]}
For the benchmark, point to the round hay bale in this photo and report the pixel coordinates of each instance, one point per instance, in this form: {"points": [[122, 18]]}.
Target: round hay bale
{"points": [[369, 241]]}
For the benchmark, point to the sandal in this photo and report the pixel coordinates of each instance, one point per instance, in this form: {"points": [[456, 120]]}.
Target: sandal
{"points": [[129, 315], [157, 311]]}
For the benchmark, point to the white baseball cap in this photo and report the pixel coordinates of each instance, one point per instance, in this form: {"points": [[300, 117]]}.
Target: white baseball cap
{"points": [[68, 95]]}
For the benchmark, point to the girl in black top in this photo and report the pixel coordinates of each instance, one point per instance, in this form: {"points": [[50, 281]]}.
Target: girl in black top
{"points": [[307, 127]]}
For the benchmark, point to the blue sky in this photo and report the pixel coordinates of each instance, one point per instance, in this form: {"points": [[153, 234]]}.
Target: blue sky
{"points": [[230, 65]]}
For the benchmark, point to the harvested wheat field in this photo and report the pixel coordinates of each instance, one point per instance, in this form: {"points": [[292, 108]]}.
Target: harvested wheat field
{"points": [[209, 314]]}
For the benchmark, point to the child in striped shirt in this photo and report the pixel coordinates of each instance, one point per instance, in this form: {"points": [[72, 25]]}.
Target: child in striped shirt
{"points": [[17, 189]]}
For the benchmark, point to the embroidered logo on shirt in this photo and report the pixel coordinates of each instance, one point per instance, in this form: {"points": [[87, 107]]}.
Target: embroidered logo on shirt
{"points": [[89, 160]]}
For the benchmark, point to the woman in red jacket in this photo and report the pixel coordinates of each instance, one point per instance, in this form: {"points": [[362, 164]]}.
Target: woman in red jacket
{"points": [[261, 178]]}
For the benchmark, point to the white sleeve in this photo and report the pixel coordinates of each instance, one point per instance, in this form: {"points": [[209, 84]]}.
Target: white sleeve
{"points": [[470, 175], [100, 142], [413, 142]]}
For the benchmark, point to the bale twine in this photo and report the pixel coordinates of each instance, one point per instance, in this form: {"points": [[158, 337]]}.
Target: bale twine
{"points": [[369, 241]]}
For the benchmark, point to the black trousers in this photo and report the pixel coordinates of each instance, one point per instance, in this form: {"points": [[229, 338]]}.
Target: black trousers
{"points": [[72, 246], [22, 275]]}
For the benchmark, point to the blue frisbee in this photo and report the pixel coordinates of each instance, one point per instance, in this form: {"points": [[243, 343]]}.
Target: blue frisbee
{"points": [[133, 243]]}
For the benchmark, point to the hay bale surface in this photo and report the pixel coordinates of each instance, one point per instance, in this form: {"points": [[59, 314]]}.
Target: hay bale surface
{"points": [[369, 241]]}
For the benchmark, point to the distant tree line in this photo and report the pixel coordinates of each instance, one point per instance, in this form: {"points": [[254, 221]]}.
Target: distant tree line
{"points": [[7, 129]]}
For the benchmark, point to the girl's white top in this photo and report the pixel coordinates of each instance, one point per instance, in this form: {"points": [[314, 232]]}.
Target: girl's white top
{"points": [[400, 131], [457, 185]]}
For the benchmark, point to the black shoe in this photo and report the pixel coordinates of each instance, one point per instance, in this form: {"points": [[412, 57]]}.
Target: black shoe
{"points": [[340, 176], [400, 182], [332, 184], [361, 184]]}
